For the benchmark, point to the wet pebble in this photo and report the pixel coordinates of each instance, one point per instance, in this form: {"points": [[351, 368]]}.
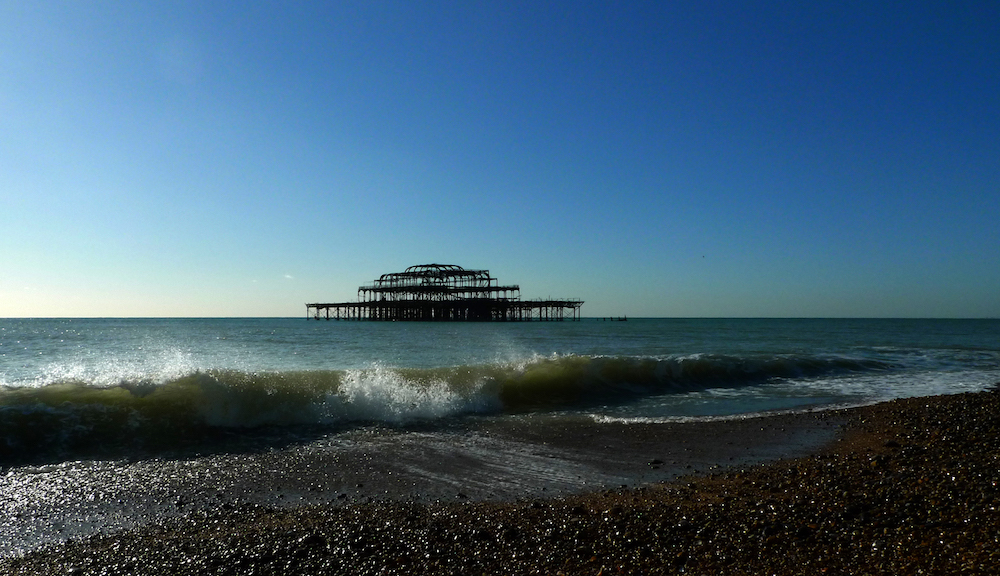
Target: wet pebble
{"points": [[869, 504]]}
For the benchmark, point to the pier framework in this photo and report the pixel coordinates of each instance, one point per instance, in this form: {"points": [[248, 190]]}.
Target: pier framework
{"points": [[443, 292]]}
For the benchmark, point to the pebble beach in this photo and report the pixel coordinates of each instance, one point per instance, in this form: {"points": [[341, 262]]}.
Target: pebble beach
{"points": [[906, 487]]}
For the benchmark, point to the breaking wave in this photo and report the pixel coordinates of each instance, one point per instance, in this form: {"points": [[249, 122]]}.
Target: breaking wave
{"points": [[75, 416]]}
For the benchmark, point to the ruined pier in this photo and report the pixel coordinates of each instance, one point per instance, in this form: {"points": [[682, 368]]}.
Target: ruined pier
{"points": [[444, 292]]}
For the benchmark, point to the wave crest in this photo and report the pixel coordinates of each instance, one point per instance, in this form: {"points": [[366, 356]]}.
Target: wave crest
{"points": [[76, 416]]}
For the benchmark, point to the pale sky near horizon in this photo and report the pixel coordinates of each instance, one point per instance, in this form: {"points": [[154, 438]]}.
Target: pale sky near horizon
{"points": [[651, 158]]}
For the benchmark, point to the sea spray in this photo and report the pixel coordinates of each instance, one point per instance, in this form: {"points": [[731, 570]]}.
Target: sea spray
{"points": [[393, 395], [77, 417]]}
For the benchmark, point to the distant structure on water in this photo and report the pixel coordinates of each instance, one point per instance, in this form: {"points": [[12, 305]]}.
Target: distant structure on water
{"points": [[444, 292]]}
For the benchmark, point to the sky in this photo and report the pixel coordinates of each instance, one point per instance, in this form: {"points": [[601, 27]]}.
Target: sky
{"points": [[692, 159]]}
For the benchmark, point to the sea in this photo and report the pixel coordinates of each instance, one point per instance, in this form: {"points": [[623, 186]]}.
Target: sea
{"points": [[110, 423]]}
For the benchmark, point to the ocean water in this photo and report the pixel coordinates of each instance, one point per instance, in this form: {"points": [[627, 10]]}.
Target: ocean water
{"points": [[110, 424], [79, 388]]}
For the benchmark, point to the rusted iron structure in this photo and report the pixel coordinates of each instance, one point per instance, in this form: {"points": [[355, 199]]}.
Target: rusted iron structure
{"points": [[443, 292]]}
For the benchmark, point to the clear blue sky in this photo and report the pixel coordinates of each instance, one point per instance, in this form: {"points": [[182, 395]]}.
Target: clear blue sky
{"points": [[652, 158]]}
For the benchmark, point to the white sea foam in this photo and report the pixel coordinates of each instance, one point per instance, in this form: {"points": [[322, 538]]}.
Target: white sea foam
{"points": [[384, 394]]}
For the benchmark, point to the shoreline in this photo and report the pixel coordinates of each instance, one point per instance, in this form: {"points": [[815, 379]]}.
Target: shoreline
{"points": [[495, 459], [896, 487]]}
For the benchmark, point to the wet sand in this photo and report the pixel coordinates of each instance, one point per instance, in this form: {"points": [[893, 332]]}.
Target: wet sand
{"points": [[900, 487]]}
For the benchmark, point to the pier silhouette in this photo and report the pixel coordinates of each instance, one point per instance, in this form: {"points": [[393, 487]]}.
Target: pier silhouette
{"points": [[444, 292]]}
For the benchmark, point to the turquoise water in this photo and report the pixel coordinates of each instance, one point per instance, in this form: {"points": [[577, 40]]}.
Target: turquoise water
{"points": [[71, 385]]}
